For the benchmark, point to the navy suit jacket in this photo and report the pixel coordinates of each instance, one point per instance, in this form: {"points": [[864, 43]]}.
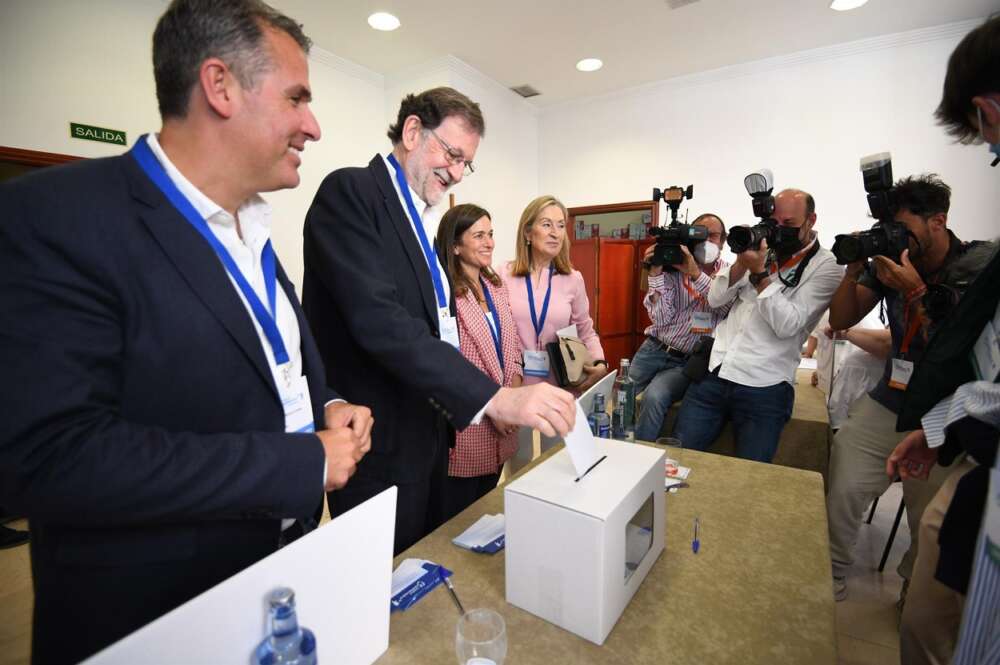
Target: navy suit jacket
{"points": [[371, 303], [142, 432]]}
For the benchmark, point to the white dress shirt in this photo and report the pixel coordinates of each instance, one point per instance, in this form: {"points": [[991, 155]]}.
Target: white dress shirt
{"points": [[255, 224], [760, 343], [430, 218]]}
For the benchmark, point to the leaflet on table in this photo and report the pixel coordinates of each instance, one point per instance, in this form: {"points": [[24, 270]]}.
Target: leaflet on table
{"points": [[485, 536], [412, 580], [581, 444], [675, 474]]}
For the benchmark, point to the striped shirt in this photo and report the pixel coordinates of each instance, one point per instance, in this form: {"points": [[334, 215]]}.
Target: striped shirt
{"points": [[976, 399], [671, 299], [979, 639]]}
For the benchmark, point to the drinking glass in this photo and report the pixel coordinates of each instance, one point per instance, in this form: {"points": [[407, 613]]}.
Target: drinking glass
{"points": [[481, 638], [673, 448]]}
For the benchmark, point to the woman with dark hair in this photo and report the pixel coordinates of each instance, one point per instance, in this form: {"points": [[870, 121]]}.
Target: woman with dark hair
{"points": [[488, 339]]}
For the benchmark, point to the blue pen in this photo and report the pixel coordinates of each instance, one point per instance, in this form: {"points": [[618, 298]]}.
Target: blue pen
{"points": [[695, 544]]}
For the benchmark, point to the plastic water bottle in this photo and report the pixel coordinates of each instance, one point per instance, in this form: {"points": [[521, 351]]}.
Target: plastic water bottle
{"points": [[600, 423], [623, 413], [287, 643]]}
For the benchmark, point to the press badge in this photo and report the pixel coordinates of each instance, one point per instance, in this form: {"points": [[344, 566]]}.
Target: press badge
{"points": [[902, 370], [986, 354], [701, 323], [536, 363], [297, 405], [449, 326]]}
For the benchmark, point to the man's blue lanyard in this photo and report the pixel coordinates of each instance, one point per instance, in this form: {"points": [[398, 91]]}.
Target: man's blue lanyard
{"points": [[495, 328], [429, 253], [143, 154], [539, 324]]}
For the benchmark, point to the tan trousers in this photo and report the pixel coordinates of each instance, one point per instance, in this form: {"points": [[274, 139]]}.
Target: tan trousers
{"points": [[928, 629], [857, 477]]}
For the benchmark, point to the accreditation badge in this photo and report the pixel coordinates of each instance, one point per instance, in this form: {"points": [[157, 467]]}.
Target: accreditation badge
{"points": [[297, 406], [986, 354], [448, 325], [902, 370], [701, 323], [536, 363]]}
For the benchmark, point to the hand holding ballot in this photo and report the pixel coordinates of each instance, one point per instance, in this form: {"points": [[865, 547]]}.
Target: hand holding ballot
{"points": [[548, 409]]}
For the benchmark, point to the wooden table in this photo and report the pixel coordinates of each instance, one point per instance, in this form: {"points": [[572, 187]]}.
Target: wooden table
{"points": [[758, 591]]}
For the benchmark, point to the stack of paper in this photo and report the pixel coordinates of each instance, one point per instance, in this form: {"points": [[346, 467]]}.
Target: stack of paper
{"points": [[486, 535], [414, 579]]}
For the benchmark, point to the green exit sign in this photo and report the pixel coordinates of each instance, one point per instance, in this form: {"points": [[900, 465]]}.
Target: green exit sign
{"points": [[101, 134]]}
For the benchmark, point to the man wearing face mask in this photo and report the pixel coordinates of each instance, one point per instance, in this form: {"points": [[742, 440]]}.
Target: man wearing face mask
{"points": [[778, 296], [677, 302], [936, 259], [952, 404]]}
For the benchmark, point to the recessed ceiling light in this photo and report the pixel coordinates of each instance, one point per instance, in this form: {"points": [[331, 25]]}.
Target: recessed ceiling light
{"points": [[589, 65], [383, 21], [846, 5]]}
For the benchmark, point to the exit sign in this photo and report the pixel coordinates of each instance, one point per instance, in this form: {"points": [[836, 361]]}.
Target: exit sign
{"points": [[101, 134]]}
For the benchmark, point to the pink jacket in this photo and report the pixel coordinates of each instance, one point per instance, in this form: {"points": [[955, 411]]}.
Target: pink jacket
{"points": [[568, 304], [481, 449]]}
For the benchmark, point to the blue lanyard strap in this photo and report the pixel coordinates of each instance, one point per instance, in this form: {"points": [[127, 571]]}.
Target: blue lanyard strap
{"points": [[495, 330], [143, 154], [535, 321], [429, 254]]}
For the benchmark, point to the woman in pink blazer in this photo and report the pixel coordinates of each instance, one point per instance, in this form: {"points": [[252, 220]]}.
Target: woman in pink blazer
{"points": [[488, 339], [546, 294]]}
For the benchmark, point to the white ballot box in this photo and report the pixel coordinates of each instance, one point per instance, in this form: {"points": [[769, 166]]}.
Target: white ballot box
{"points": [[577, 550]]}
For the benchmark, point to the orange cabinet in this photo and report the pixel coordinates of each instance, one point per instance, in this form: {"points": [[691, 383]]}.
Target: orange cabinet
{"points": [[612, 270]]}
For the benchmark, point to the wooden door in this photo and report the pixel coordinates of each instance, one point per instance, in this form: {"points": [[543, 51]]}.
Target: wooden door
{"points": [[616, 291]]}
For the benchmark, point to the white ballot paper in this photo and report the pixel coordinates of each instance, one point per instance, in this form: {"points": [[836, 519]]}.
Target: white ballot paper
{"points": [[486, 535], [581, 444]]}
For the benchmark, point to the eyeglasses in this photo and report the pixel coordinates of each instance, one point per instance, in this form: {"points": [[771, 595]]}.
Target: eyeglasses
{"points": [[454, 156]]}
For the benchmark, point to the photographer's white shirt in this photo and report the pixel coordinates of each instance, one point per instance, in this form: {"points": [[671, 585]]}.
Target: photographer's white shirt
{"points": [[760, 343]]}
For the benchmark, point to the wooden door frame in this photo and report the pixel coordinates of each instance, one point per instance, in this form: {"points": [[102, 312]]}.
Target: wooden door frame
{"points": [[34, 157]]}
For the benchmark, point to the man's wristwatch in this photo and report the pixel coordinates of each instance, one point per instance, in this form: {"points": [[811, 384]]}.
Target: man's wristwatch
{"points": [[757, 277]]}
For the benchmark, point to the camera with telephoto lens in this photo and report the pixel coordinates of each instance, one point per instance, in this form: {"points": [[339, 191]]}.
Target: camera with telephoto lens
{"points": [[759, 185], [670, 239], [887, 237]]}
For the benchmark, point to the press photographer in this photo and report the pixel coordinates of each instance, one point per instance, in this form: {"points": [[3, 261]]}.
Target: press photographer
{"points": [[677, 303], [778, 288], [919, 268]]}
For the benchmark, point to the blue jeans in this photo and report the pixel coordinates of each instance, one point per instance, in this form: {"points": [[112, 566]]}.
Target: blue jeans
{"points": [[758, 415], [661, 376]]}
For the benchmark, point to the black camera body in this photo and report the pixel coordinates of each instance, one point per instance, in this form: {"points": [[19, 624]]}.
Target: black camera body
{"points": [[759, 185], [886, 237], [670, 238]]}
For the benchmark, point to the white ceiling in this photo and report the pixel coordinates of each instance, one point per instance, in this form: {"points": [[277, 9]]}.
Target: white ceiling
{"points": [[538, 42]]}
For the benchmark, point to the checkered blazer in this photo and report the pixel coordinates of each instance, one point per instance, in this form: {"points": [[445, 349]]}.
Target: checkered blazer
{"points": [[481, 449]]}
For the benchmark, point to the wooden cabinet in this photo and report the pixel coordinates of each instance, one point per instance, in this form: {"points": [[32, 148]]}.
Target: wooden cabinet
{"points": [[612, 270]]}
